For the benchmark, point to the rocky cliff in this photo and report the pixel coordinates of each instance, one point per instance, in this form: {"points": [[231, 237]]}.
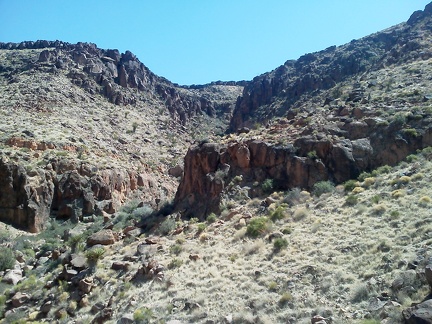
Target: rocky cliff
{"points": [[65, 190], [211, 169], [329, 115], [110, 72], [117, 126]]}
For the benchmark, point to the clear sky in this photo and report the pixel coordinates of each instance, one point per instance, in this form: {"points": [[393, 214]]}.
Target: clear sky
{"points": [[199, 41]]}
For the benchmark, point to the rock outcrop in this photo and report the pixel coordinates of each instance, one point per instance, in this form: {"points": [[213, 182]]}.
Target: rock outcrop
{"points": [[209, 168], [63, 189], [113, 74]]}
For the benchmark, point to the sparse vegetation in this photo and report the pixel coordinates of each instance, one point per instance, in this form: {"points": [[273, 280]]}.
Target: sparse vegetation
{"points": [[279, 253], [268, 185], [258, 226], [280, 243], [322, 187], [7, 258]]}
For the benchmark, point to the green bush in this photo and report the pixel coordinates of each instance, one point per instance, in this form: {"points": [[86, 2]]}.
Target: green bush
{"points": [[268, 185], [75, 241], [322, 187], [351, 200], [143, 315], [350, 185], [7, 258], [364, 175], [175, 263], [211, 218], [280, 243], [142, 212], [412, 158], [176, 249], [201, 227], [278, 213], [94, 255], [312, 155], [257, 226], [384, 169], [167, 226]]}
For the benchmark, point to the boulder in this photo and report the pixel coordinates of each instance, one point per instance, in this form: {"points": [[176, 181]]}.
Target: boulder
{"points": [[78, 262], [103, 237], [421, 313], [13, 276], [19, 299], [176, 171], [86, 285]]}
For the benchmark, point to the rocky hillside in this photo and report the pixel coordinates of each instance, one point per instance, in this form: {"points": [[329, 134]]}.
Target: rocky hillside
{"points": [[290, 85], [301, 196], [327, 116], [84, 128]]}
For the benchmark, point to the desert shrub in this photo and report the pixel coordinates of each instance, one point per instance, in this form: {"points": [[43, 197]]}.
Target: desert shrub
{"points": [[292, 197], [257, 226], [75, 241], [4, 236], [427, 152], [300, 213], [322, 187], [312, 155], [399, 118], [176, 249], [285, 298], [369, 181], [142, 212], [398, 193], [357, 190], [363, 176], [424, 201], [413, 133], [204, 237], [384, 169], [268, 185], [351, 200], [376, 199], [7, 258], [360, 293], [401, 181], [394, 214], [201, 227], [167, 226], [143, 315], [378, 209], [280, 243], [211, 218], [277, 214], [94, 255], [175, 263], [130, 206], [287, 230], [272, 286], [350, 185], [370, 321]]}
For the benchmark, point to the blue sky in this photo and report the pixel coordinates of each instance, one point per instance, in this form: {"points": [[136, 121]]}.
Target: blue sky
{"points": [[199, 41]]}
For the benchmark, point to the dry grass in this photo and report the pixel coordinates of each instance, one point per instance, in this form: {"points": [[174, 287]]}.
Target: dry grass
{"points": [[336, 261]]}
